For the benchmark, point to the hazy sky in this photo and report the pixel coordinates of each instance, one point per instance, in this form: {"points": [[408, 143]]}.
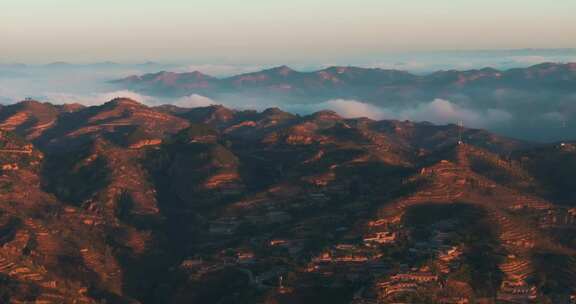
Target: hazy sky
{"points": [[273, 30]]}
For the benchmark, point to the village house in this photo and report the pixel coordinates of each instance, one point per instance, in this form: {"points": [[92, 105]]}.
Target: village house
{"points": [[415, 276], [385, 237], [9, 167], [245, 256], [517, 292]]}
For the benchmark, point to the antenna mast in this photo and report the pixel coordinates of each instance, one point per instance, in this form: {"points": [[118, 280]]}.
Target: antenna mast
{"points": [[460, 128], [562, 144]]}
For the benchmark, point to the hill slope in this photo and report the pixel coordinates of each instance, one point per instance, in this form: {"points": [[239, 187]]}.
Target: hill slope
{"points": [[126, 203]]}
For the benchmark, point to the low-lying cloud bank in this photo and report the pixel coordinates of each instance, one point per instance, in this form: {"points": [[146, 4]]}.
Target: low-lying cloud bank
{"points": [[95, 98], [444, 111], [194, 101], [439, 111], [507, 111], [546, 126]]}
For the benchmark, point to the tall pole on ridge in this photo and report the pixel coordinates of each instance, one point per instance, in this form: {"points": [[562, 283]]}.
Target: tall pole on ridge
{"points": [[460, 129]]}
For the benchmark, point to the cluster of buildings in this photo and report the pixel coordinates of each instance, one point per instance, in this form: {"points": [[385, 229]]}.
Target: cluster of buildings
{"points": [[7, 148], [448, 260], [558, 217], [407, 283], [350, 262], [411, 283], [515, 287], [384, 231], [517, 291]]}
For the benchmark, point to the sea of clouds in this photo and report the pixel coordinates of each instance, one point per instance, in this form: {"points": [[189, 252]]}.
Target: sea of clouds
{"points": [[89, 84]]}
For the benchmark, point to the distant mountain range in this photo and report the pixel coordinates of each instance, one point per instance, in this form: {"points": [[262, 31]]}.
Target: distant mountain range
{"points": [[538, 102], [369, 84]]}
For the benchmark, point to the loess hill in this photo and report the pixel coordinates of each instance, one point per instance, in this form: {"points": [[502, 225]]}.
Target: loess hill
{"points": [[125, 203]]}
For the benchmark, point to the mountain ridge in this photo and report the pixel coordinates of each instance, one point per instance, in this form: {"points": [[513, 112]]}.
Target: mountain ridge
{"points": [[535, 102], [126, 203], [286, 71]]}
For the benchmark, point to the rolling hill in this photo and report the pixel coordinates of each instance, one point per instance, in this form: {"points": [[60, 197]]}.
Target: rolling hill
{"points": [[126, 203]]}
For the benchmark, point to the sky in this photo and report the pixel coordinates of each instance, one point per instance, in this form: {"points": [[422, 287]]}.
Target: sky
{"points": [[266, 31]]}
